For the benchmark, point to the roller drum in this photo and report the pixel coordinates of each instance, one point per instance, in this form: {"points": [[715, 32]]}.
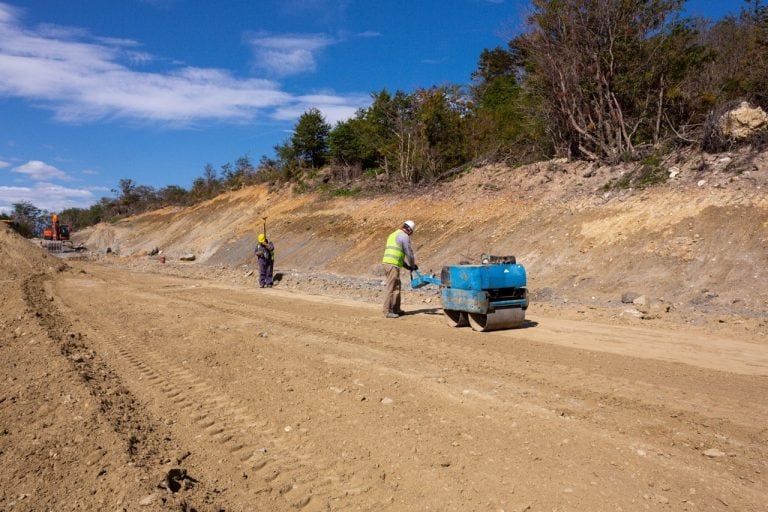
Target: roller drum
{"points": [[499, 319], [456, 318]]}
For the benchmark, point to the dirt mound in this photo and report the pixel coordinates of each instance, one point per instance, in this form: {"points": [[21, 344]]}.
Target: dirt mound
{"points": [[72, 437], [21, 256]]}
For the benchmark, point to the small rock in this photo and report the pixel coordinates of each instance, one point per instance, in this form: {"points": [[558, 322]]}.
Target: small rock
{"points": [[147, 500], [713, 453], [386, 400], [701, 183], [628, 297]]}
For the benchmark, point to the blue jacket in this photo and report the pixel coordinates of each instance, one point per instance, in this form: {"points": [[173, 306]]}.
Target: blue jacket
{"points": [[265, 251]]}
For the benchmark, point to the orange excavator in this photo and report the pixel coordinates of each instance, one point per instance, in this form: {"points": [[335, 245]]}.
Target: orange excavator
{"points": [[58, 231]]}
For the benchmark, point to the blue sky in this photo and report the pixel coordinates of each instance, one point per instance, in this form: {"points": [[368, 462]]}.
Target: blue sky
{"points": [[93, 91]]}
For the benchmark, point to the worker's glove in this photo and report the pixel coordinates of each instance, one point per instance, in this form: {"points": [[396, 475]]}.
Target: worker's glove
{"points": [[407, 267], [415, 267]]}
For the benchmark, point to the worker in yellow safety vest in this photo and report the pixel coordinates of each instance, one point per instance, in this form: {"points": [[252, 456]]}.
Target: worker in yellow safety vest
{"points": [[398, 254]]}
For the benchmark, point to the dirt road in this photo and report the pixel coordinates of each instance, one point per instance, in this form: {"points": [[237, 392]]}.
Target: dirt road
{"points": [[274, 400]]}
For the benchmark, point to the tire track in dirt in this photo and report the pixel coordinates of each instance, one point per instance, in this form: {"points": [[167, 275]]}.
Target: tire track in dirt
{"points": [[302, 480], [229, 424], [145, 440], [689, 428]]}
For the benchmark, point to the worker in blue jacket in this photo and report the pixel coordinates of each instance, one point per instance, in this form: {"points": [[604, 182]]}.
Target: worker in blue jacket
{"points": [[397, 254], [265, 252]]}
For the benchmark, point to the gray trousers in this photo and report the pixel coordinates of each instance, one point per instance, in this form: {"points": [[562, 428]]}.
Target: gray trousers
{"points": [[392, 289]]}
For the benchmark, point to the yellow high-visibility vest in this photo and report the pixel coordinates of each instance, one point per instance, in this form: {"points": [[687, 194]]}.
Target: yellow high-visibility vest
{"points": [[393, 253]]}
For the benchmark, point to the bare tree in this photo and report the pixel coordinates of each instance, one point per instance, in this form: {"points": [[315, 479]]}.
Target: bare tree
{"points": [[601, 65]]}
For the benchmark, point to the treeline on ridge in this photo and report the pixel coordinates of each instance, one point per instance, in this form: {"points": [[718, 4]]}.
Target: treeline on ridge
{"points": [[603, 80]]}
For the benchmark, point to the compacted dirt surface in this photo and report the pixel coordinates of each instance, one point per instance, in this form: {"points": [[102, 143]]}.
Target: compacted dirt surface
{"points": [[130, 384]]}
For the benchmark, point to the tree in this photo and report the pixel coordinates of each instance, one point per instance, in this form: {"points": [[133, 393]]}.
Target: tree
{"points": [[345, 142], [212, 185], [245, 171], [287, 160], [310, 138], [494, 67], [441, 114], [505, 121], [173, 195], [739, 67], [392, 124], [603, 68], [227, 175], [29, 219], [199, 191], [127, 190], [267, 169]]}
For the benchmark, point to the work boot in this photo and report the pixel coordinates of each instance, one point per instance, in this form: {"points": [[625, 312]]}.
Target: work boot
{"points": [[392, 315]]}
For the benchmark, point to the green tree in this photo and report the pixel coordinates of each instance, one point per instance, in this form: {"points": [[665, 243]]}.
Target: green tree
{"points": [[441, 113], [310, 138], [505, 121], [29, 219], [345, 142], [392, 124], [739, 69], [173, 195], [288, 161], [199, 191]]}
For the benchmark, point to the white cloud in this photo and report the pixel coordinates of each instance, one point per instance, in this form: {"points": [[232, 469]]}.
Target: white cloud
{"points": [[332, 107], [46, 196], [83, 78], [8, 13], [288, 55], [40, 171], [3, 165]]}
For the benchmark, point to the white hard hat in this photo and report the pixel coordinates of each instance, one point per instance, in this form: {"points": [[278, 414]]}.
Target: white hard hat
{"points": [[411, 225]]}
